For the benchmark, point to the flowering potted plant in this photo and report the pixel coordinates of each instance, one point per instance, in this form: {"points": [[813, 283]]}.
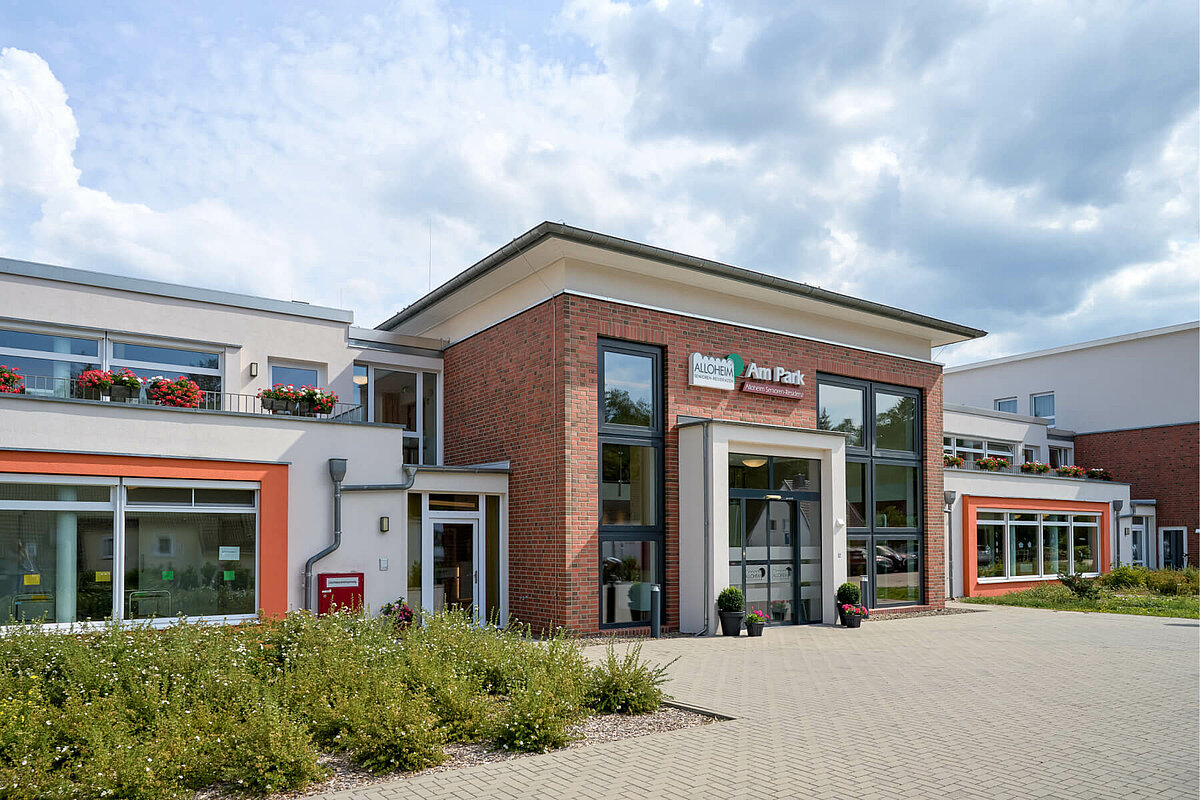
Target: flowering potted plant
{"points": [[1035, 468], [94, 383], [280, 398], [315, 400], [124, 385], [779, 610], [847, 597], [1099, 474], [730, 604], [11, 381], [953, 461], [399, 612], [755, 622], [183, 392], [1071, 471], [852, 615], [991, 464]]}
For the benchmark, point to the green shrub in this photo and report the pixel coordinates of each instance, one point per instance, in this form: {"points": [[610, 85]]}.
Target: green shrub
{"points": [[1084, 588], [385, 733], [1172, 582], [848, 593], [1124, 577], [626, 685], [731, 599], [536, 721]]}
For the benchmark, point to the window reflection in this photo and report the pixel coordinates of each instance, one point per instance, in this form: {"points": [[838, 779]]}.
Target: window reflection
{"points": [[628, 389], [895, 422], [841, 409], [627, 572], [628, 488]]}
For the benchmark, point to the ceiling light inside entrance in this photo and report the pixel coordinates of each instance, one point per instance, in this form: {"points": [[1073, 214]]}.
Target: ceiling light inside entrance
{"points": [[754, 463]]}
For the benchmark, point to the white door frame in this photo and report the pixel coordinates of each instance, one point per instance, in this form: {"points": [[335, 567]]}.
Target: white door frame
{"points": [[1182, 544], [478, 540]]}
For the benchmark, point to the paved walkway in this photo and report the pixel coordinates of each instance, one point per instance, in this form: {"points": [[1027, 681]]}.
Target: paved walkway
{"points": [[1003, 703]]}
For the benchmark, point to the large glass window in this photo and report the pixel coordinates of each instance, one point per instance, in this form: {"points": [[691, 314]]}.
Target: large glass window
{"points": [[971, 450], [629, 381], [398, 397], [294, 376], [149, 361], [840, 408], [883, 482], [1030, 545], [989, 545], [629, 484]]}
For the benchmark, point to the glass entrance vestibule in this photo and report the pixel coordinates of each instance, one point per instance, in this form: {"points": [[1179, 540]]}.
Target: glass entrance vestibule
{"points": [[454, 554], [775, 535]]}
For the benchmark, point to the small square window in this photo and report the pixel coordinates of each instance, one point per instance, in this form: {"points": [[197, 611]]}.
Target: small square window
{"points": [[1042, 405], [1008, 404], [164, 545]]}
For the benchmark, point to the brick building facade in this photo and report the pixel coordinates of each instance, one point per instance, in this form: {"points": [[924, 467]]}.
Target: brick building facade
{"points": [[1160, 463]]}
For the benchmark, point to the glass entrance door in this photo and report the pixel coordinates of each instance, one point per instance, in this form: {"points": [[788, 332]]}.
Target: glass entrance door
{"points": [[774, 557], [455, 571], [1172, 548]]}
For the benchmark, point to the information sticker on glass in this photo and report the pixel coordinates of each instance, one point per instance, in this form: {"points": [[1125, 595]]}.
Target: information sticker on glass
{"points": [[229, 574], [103, 577], [168, 574], [229, 553], [33, 580]]}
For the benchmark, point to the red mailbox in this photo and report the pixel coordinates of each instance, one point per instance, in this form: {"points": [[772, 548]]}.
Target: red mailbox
{"points": [[339, 590]]}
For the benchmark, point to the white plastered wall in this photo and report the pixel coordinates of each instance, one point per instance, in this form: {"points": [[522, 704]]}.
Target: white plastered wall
{"points": [[704, 494]]}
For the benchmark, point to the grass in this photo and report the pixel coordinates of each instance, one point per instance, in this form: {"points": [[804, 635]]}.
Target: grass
{"points": [[158, 714], [1112, 601]]}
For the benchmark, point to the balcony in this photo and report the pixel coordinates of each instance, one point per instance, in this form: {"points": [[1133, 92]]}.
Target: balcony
{"points": [[1015, 469], [229, 402]]}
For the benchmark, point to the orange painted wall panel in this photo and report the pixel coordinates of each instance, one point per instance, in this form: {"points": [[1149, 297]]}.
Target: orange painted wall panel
{"points": [[972, 503], [273, 498]]}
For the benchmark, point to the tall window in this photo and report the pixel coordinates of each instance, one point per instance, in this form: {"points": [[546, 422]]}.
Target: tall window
{"points": [[631, 480], [395, 396], [883, 482], [1042, 405]]}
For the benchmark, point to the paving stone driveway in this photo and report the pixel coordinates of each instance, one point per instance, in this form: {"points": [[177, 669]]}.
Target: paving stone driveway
{"points": [[1003, 703]]}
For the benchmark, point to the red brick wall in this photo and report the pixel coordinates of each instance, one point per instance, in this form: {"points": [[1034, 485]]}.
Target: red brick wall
{"points": [[496, 409], [1161, 463]]}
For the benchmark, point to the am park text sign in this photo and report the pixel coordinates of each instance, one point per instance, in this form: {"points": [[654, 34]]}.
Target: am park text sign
{"points": [[722, 373]]}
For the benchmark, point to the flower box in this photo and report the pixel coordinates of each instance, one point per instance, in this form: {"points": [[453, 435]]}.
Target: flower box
{"points": [[1071, 471], [956, 462], [278, 406], [1035, 468], [183, 392], [11, 381], [991, 464]]}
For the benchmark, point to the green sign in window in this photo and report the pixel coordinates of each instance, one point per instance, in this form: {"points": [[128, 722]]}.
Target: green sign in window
{"points": [[228, 574], [168, 574]]}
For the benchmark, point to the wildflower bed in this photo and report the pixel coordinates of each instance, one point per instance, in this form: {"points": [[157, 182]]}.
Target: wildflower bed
{"points": [[152, 713]]}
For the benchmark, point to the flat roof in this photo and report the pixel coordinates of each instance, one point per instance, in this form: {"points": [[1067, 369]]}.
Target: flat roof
{"points": [[84, 277], [568, 232], [1067, 348]]}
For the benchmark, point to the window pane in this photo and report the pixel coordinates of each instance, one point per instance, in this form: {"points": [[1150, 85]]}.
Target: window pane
{"points": [[33, 546], [55, 492], [1084, 542], [895, 496], [809, 535], [224, 497], [48, 378], [796, 474], [168, 355], [429, 420], [1043, 405], [1000, 447], [188, 563], [293, 376], [1009, 405], [414, 551], [1056, 554], [990, 515], [897, 572], [491, 553], [160, 495], [628, 488], [895, 422], [67, 345], [628, 389], [989, 545], [627, 571], [856, 500], [856, 561], [1024, 542], [841, 409], [453, 502], [361, 379], [748, 471], [396, 400]]}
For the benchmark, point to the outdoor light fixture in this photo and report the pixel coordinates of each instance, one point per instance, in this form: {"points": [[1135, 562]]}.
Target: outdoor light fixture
{"points": [[253, 369], [385, 524], [754, 463]]}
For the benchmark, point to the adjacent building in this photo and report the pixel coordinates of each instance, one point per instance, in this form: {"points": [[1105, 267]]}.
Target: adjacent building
{"points": [[1129, 405]]}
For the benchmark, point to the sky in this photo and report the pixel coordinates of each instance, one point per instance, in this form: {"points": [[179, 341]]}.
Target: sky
{"points": [[1029, 168]]}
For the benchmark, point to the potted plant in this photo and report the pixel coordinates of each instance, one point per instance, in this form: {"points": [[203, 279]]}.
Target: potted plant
{"points": [[730, 605], [1035, 468], [779, 610], [852, 615], [400, 614], [280, 399], [11, 381], [124, 385], [755, 622], [848, 594], [1099, 474], [94, 383], [1071, 471], [953, 461], [315, 400], [183, 392], [991, 463]]}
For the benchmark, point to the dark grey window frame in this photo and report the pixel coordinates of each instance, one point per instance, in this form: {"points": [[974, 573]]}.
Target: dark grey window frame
{"points": [[651, 436]]}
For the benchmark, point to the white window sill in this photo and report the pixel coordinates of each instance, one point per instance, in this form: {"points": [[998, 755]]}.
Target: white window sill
{"points": [[1028, 578]]}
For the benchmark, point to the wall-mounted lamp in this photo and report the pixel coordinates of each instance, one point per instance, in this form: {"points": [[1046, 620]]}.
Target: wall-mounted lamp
{"points": [[385, 524], [253, 369]]}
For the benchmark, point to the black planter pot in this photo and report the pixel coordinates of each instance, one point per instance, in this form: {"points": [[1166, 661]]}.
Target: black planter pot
{"points": [[277, 406], [731, 622], [306, 408], [120, 394], [778, 616], [851, 620], [755, 628]]}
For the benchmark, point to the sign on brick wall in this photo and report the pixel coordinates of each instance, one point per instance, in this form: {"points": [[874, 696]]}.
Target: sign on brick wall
{"points": [[722, 373]]}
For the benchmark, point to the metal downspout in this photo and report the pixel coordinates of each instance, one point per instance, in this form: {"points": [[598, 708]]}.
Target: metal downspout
{"points": [[707, 536]]}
